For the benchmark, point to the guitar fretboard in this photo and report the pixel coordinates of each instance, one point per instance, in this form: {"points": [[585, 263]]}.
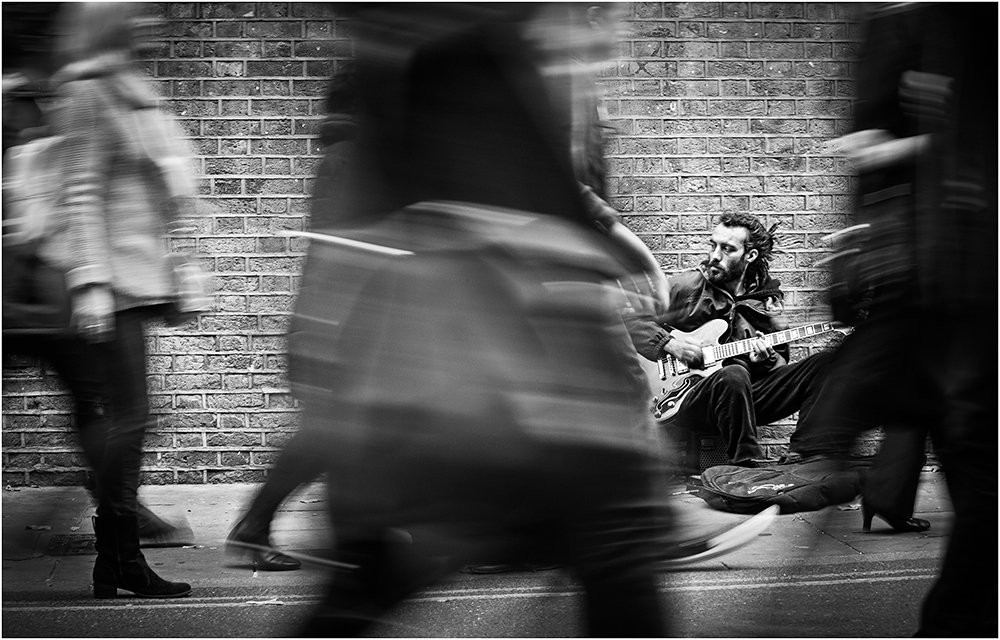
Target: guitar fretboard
{"points": [[739, 347]]}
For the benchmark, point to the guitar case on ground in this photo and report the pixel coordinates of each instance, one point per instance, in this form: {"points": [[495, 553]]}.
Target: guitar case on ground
{"points": [[809, 485]]}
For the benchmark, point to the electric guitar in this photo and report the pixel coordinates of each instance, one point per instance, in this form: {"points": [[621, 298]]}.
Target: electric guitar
{"points": [[672, 380]]}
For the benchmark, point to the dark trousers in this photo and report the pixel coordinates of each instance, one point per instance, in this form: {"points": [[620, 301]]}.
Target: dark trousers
{"points": [[125, 363], [108, 385], [730, 402]]}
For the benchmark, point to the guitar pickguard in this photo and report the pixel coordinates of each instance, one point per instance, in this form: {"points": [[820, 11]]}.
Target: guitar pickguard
{"points": [[666, 405]]}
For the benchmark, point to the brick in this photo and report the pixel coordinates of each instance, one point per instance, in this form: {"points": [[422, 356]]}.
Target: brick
{"points": [[729, 30], [157, 478], [54, 478], [265, 68], [11, 439], [49, 439], [237, 475], [188, 402], [274, 10], [190, 477], [274, 186], [235, 382], [278, 438], [653, 29]]}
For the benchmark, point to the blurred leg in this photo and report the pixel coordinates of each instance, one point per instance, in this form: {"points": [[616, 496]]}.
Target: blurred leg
{"points": [[389, 567], [890, 485], [300, 461], [963, 601], [616, 526], [127, 390], [81, 367]]}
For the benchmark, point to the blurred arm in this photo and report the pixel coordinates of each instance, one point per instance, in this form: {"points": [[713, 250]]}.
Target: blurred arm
{"points": [[621, 235]]}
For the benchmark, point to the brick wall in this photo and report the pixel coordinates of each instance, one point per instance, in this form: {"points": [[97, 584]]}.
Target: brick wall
{"points": [[718, 107]]}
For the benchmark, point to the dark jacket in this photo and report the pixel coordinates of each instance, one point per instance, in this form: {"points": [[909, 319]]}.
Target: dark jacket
{"points": [[694, 301]]}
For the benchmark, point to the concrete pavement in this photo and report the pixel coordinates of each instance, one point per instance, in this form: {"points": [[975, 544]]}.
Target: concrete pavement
{"points": [[47, 557]]}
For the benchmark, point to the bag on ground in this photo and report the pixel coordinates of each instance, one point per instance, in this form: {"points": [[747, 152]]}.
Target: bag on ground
{"points": [[806, 486]]}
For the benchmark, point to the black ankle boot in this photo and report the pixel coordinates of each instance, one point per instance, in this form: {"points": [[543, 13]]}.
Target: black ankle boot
{"points": [[120, 564]]}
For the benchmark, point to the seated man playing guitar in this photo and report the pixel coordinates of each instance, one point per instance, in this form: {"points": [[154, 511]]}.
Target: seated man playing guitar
{"points": [[723, 391]]}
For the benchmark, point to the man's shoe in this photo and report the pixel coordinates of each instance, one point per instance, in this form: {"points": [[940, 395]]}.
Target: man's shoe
{"points": [[719, 544], [258, 550], [156, 532]]}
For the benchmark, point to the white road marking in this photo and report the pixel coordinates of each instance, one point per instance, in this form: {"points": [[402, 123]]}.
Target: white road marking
{"points": [[499, 593]]}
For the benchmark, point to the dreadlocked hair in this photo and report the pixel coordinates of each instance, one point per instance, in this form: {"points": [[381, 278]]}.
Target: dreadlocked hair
{"points": [[758, 272]]}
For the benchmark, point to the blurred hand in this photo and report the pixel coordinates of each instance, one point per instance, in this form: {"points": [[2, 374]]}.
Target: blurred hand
{"points": [[687, 350], [853, 144], [94, 313], [873, 149]]}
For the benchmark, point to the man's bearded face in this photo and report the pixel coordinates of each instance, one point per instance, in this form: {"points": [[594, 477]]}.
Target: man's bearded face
{"points": [[727, 260]]}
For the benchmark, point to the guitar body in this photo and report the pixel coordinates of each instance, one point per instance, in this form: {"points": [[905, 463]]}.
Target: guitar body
{"points": [[670, 391]]}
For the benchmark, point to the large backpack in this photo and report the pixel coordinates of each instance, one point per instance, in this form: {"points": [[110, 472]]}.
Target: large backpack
{"points": [[35, 298], [807, 486]]}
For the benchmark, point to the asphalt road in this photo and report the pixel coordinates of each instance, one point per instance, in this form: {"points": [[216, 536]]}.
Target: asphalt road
{"points": [[870, 599]]}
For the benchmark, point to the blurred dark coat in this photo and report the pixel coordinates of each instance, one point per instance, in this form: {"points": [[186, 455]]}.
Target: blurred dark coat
{"points": [[449, 375]]}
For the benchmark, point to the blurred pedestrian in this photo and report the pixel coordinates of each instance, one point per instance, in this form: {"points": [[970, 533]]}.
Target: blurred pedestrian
{"points": [[126, 180], [918, 277], [473, 382], [302, 459]]}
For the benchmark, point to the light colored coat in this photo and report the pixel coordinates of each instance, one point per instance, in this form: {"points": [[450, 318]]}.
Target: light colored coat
{"points": [[123, 170]]}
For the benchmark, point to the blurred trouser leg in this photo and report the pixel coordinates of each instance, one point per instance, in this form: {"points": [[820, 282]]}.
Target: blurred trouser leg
{"points": [[389, 566], [80, 366], [890, 485], [963, 601], [128, 393], [300, 461], [616, 525], [874, 378]]}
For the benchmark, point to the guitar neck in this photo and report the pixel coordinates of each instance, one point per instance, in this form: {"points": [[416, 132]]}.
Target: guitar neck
{"points": [[740, 347]]}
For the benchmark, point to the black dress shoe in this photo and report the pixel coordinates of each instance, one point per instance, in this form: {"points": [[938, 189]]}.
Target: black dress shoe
{"points": [[259, 551]]}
